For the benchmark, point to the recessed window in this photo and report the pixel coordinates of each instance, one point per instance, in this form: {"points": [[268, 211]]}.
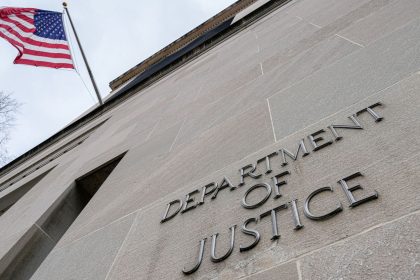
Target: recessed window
{"points": [[45, 234]]}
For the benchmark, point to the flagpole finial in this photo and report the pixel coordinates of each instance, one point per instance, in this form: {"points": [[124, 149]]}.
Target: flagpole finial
{"points": [[64, 4]]}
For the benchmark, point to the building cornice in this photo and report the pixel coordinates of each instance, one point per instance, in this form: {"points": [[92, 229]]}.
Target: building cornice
{"points": [[181, 42]]}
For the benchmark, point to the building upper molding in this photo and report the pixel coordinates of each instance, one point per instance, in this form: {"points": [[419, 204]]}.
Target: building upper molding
{"points": [[181, 42]]}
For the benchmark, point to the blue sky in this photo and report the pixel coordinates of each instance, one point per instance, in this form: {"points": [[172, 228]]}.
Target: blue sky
{"points": [[116, 35]]}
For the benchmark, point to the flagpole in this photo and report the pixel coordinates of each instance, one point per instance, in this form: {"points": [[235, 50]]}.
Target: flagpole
{"points": [[83, 55]]}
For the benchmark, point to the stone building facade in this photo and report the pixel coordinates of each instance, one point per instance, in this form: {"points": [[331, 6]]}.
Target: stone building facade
{"points": [[278, 140]]}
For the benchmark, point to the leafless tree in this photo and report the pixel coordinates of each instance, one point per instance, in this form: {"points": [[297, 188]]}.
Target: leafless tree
{"points": [[8, 110]]}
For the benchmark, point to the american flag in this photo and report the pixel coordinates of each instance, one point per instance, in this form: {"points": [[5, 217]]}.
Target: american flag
{"points": [[38, 35]]}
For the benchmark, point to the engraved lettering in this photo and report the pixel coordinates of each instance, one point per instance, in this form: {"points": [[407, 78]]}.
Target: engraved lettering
{"points": [[266, 159], [223, 185], [251, 232], [166, 216], [345, 126], [349, 191], [188, 200], [207, 190], [295, 212], [213, 246], [278, 184], [273, 214], [314, 141], [330, 214], [267, 188], [369, 109], [200, 259], [248, 173], [285, 152]]}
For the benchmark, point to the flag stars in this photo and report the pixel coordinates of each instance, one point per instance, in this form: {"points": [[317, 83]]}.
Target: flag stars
{"points": [[49, 25]]}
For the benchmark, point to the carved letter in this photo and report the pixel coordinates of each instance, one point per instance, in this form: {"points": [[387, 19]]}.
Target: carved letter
{"points": [[165, 216], [213, 246], [273, 214], [246, 205], [375, 115], [296, 218], [334, 126], [251, 232], [314, 140], [330, 214], [200, 259], [224, 184], [285, 152], [189, 199], [249, 173], [349, 191], [277, 184], [267, 162], [205, 191]]}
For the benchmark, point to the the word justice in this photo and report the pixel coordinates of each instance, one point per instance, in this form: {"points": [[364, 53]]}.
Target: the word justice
{"points": [[272, 215]]}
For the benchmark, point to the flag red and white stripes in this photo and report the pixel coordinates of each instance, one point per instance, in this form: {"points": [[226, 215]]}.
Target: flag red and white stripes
{"points": [[38, 35]]}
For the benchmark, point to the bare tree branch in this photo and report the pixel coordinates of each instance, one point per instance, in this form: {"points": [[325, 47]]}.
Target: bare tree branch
{"points": [[8, 109]]}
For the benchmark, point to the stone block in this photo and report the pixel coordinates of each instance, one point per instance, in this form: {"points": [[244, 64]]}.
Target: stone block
{"points": [[281, 72], [324, 12], [277, 22], [282, 43], [382, 22], [340, 22], [310, 60], [357, 76], [88, 258], [387, 251], [286, 271], [28, 259]]}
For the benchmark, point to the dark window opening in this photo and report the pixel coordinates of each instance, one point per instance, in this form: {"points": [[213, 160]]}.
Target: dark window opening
{"points": [[46, 233]]}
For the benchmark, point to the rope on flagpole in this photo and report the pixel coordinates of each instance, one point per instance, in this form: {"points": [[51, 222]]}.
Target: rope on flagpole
{"points": [[84, 83], [76, 67], [83, 55]]}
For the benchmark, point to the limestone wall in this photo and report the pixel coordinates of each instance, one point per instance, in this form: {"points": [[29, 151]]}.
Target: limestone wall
{"points": [[249, 101]]}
